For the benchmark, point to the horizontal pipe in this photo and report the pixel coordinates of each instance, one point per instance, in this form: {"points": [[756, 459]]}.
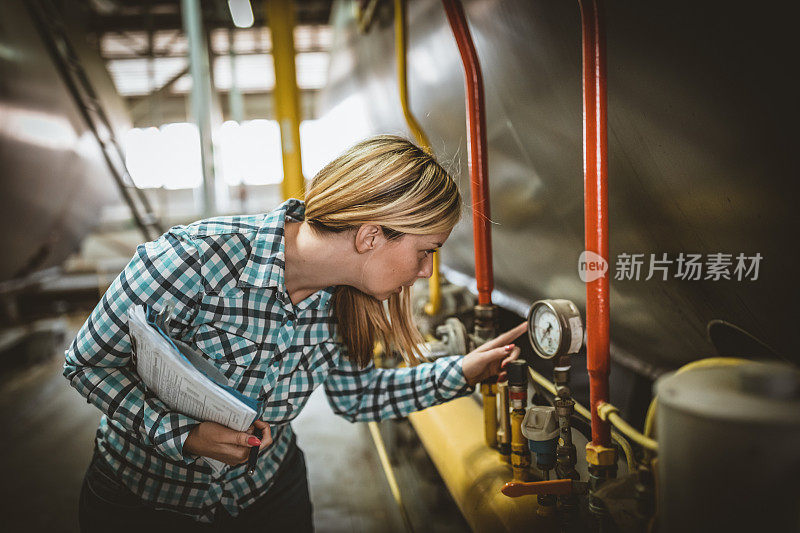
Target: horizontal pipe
{"points": [[452, 433]]}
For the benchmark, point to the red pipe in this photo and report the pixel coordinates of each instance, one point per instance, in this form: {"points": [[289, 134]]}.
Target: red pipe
{"points": [[478, 166], [595, 181]]}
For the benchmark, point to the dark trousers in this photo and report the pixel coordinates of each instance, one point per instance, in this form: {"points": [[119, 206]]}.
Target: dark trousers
{"points": [[107, 505]]}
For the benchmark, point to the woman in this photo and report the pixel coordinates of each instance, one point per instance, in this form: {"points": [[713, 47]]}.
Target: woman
{"points": [[281, 303]]}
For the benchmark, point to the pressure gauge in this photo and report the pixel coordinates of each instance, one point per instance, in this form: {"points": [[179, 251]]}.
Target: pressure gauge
{"points": [[555, 328]]}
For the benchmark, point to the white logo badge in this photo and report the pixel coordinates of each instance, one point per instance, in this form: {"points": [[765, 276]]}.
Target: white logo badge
{"points": [[591, 266]]}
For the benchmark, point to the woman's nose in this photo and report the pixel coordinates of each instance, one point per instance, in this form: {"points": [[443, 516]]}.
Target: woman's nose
{"points": [[427, 267]]}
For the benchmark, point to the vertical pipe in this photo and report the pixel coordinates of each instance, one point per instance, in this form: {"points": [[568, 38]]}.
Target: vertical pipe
{"points": [[489, 394], [478, 165], [201, 99], [504, 422], [280, 14], [595, 164], [434, 282], [518, 400], [235, 103]]}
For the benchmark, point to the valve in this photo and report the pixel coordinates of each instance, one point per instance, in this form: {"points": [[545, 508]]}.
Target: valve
{"points": [[541, 429], [555, 487]]}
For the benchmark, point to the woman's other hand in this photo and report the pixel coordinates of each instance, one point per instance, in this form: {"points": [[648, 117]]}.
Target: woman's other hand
{"points": [[232, 447], [491, 357]]}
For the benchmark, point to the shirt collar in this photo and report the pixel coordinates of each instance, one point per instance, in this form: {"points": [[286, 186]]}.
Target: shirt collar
{"points": [[266, 263]]}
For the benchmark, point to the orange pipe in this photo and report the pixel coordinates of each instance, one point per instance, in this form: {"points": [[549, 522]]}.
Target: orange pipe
{"points": [[595, 166], [478, 165]]}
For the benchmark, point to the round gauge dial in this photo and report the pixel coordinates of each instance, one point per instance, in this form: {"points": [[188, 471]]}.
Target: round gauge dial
{"points": [[555, 328], [546, 330]]}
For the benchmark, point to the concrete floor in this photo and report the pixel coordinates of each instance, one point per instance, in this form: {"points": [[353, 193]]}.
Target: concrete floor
{"points": [[48, 430]]}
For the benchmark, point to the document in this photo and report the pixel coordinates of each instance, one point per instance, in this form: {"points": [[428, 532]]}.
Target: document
{"points": [[183, 379]]}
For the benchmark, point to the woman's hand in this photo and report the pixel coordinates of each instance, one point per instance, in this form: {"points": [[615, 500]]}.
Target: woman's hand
{"points": [[216, 441], [490, 357]]}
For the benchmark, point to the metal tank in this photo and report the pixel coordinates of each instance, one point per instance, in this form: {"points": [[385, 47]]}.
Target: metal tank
{"points": [[54, 179], [700, 144], [727, 448]]}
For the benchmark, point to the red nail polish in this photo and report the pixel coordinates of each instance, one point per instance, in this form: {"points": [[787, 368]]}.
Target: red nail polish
{"points": [[253, 441]]}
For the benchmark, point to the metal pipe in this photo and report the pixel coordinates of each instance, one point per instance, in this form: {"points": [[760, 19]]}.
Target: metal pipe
{"points": [[477, 153], [489, 394], [201, 99], [235, 101], [595, 164], [606, 411], [504, 422], [401, 44], [451, 433], [287, 108], [518, 400], [584, 412]]}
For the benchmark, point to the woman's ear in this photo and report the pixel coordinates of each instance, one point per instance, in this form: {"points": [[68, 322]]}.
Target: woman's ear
{"points": [[369, 237]]}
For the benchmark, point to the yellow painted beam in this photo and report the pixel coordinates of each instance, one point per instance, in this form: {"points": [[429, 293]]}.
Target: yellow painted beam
{"points": [[280, 14]]}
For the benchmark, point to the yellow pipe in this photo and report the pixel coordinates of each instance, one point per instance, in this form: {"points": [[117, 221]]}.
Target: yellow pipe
{"points": [[280, 14], [434, 288], [364, 16], [520, 453], [489, 394], [608, 412], [434, 282], [504, 422], [451, 432], [389, 472]]}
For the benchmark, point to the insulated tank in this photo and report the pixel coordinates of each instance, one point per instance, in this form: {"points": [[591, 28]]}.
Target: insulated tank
{"points": [[728, 442]]}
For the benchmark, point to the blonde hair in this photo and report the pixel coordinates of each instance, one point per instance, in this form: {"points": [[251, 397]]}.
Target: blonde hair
{"points": [[389, 181]]}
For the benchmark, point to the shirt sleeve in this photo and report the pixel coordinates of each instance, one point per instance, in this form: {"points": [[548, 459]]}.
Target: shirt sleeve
{"points": [[372, 394], [161, 273]]}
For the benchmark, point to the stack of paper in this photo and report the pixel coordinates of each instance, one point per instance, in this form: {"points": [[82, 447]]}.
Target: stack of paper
{"points": [[184, 380]]}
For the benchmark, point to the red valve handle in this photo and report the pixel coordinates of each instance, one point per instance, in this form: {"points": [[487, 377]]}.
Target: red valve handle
{"points": [[558, 487]]}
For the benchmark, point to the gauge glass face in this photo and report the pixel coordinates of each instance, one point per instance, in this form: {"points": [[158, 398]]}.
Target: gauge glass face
{"points": [[546, 330]]}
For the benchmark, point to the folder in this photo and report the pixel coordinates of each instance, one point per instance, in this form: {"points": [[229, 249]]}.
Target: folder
{"points": [[182, 377]]}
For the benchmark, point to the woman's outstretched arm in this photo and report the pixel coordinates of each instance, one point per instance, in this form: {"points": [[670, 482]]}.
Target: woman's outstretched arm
{"points": [[372, 394]]}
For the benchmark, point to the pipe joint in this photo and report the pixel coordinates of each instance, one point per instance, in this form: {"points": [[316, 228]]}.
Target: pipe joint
{"points": [[599, 455]]}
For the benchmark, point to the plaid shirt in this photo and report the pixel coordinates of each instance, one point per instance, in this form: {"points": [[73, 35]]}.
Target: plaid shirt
{"points": [[224, 278]]}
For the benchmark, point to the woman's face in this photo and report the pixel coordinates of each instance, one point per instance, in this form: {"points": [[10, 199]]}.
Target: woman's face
{"points": [[399, 262]]}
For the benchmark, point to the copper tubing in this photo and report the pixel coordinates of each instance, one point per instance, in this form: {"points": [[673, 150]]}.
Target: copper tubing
{"points": [[595, 165], [478, 165]]}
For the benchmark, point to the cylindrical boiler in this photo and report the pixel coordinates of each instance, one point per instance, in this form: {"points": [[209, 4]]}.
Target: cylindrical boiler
{"points": [[728, 457]]}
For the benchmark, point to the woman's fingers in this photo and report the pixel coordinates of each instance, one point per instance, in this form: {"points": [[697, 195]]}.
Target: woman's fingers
{"points": [[232, 454], [240, 438], [266, 433], [514, 355], [504, 338]]}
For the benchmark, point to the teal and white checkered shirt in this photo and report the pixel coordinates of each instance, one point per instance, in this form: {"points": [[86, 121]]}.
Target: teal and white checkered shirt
{"points": [[224, 279]]}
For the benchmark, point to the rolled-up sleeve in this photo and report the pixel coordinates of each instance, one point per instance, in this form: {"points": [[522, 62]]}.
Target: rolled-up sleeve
{"points": [[98, 362], [372, 394]]}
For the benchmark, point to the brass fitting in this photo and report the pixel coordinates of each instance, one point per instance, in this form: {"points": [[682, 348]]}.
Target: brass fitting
{"points": [[599, 455]]}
